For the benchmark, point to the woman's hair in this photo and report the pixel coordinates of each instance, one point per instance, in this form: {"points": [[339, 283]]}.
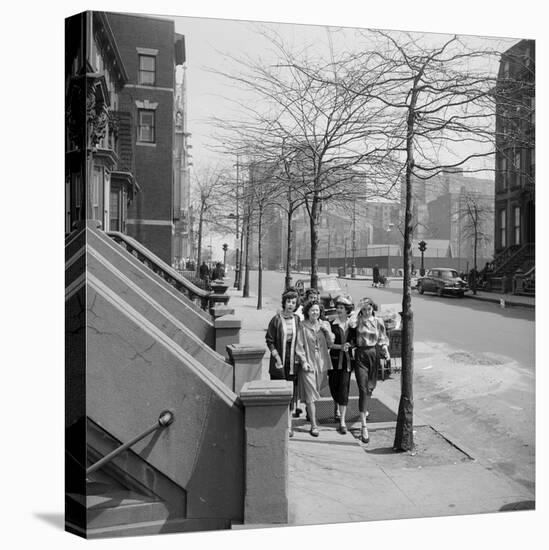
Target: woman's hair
{"points": [[365, 301], [308, 305], [344, 301], [290, 294]]}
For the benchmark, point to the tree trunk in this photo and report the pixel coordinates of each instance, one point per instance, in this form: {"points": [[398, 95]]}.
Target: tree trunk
{"points": [[404, 437], [240, 265], [246, 289], [314, 222], [475, 256], [288, 279], [199, 244], [259, 262]]}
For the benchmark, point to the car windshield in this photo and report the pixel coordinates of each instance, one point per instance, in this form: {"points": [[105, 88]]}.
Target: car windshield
{"points": [[329, 284], [448, 274]]}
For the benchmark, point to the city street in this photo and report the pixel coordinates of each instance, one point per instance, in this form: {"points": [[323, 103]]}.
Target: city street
{"points": [[474, 371]]}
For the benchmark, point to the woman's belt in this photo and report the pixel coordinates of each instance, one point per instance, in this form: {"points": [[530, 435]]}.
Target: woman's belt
{"points": [[365, 347]]}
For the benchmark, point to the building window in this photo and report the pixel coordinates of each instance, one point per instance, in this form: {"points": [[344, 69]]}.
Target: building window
{"points": [[506, 66], [146, 126], [147, 70], [516, 228], [527, 57], [97, 180], [503, 228], [114, 214]]}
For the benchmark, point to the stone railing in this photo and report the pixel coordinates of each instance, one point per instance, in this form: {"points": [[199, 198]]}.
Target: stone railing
{"points": [[525, 283], [504, 257], [161, 268]]}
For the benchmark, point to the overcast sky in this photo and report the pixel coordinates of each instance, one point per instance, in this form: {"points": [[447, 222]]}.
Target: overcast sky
{"points": [[210, 42]]}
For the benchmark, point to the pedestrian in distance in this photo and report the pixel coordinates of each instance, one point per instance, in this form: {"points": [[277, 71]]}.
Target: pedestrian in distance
{"points": [[204, 271], [339, 377], [375, 276], [313, 341], [281, 339], [371, 339]]}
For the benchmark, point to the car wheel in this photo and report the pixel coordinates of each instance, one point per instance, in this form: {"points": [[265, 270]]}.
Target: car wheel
{"points": [[461, 294], [439, 292], [420, 288]]}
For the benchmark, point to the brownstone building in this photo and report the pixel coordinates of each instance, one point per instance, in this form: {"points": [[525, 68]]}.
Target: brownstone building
{"points": [[514, 203], [515, 146], [99, 170]]}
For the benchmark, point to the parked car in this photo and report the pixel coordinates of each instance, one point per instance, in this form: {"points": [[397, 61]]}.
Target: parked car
{"points": [[328, 288], [442, 280]]}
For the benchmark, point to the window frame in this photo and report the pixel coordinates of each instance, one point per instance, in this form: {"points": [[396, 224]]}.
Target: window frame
{"points": [[503, 227], [516, 224], [141, 126], [141, 72]]}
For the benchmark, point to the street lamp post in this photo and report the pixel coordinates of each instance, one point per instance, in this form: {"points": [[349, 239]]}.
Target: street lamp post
{"points": [[225, 248], [422, 245]]}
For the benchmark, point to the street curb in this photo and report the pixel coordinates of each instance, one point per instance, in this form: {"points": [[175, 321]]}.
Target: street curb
{"points": [[494, 300]]}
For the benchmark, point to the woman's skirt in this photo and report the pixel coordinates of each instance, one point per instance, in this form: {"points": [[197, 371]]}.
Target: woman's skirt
{"points": [[308, 384]]}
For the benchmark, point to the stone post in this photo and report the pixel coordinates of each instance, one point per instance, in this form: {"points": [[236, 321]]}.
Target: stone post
{"points": [[246, 361], [266, 453], [227, 331]]}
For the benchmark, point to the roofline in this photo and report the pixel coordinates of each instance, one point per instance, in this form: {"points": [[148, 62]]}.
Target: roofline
{"points": [[105, 21]]}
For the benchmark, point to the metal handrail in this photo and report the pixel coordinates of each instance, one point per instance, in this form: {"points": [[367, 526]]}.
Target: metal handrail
{"points": [[164, 420]]}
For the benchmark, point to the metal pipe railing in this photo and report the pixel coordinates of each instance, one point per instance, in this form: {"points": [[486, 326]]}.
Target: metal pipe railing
{"points": [[164, 420]]}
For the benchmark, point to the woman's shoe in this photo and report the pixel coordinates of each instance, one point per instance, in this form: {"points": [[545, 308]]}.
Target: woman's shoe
{"points": [[297, 413], [291, 432], [342, 429], [364, 437], [314, 432]]}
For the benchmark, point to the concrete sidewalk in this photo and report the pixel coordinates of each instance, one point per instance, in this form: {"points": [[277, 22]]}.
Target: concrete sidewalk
{"points": [[335, 478]]}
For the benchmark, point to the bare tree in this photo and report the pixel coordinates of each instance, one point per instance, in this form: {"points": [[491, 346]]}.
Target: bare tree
{"points": [[475, 215], [263, 191], [440, 97], [330, 128], [209, 194]]}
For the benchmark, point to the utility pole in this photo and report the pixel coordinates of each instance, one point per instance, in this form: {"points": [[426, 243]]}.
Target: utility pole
{"points": [[353, 265], [237, 255]]}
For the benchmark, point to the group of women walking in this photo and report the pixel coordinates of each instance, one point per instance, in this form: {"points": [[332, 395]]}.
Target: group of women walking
{"points": [[305, 348]]}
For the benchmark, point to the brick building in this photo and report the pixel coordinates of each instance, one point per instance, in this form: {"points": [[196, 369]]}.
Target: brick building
{"points": [[150, 50]]}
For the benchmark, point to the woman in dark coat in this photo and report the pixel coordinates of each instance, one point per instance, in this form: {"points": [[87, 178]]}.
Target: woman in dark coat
{"points": [[339, 376], [281, 340]]}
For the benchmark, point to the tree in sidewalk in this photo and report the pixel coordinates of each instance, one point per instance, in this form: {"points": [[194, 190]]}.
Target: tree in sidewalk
{"points": [[328, 129], [439, 97], [263, 191], [475, 216], [208, 197]]}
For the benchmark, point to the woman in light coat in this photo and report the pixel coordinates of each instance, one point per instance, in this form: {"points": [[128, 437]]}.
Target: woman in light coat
{"points": [[314, 339]]}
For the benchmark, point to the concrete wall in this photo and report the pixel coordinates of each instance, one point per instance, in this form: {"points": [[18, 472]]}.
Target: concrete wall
{"points": [[133, 372], [177, 304]]}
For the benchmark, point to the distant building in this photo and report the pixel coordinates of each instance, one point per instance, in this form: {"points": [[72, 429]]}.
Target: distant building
{"points": [[182, 241], [150, 50]]}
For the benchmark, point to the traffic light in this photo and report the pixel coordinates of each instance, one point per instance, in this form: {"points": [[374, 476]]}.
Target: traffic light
{"points": [[422, 245]]}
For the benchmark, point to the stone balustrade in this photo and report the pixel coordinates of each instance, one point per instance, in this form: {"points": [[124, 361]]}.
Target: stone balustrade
{"points": [[266, 446]]}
